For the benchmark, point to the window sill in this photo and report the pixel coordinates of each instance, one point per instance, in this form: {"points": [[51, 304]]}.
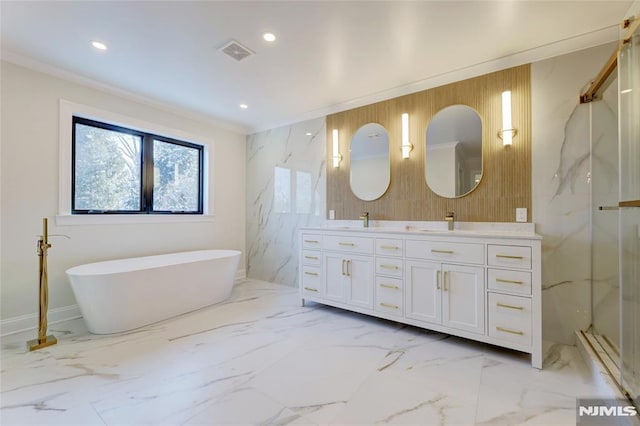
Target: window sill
{"points": [[116, 219]]}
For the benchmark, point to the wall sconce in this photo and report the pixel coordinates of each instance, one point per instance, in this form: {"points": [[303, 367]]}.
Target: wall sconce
{"points": [[406, 145], [336, 149], [508, 132]]}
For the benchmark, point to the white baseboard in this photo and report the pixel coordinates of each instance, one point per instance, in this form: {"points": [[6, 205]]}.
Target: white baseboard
{"points": [[30, 321]]}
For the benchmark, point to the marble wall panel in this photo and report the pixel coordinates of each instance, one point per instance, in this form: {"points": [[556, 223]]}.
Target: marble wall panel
{"points": [[286, 189]]}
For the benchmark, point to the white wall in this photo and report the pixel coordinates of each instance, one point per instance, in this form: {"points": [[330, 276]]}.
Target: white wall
{"points": [[29, 191]]}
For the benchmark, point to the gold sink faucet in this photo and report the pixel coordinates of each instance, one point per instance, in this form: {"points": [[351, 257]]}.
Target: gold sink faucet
{"points": [[449, 218], [365, 219]]}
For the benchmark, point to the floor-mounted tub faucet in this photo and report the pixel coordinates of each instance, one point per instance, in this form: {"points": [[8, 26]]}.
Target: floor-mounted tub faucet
{"points": [[449, 218], [365, 219]]}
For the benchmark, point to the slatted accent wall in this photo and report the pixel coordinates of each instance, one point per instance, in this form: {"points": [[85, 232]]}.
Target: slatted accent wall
{"points": [[506, 180]]}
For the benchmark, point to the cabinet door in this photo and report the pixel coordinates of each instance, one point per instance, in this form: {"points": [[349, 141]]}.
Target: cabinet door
{"points": [[335, 277], [422, 292], [360, 270], [463, 297]]}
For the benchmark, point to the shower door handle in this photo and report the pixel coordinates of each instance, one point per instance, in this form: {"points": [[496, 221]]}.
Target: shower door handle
{"points": [[631, 203], [607, 207]]}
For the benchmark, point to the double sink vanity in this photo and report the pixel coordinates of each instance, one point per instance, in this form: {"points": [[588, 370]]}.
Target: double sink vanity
{"points": [[480, 281]]}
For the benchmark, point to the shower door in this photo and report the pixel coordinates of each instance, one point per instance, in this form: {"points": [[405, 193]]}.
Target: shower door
{"points": [[629, 214]]}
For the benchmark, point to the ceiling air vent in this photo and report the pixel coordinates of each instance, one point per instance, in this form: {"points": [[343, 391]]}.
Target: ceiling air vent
{"points": [[236, 50]]}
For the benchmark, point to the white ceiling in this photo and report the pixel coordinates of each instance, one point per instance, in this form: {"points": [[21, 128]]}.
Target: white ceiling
{"points": [[329, 56]]}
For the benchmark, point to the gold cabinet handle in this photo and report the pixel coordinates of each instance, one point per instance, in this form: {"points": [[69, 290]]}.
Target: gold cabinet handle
{"points": [[500, 280], [311, 257], [390, 247], [502, 305], [310, 273], [346, 244], [312, 241], [393, 287], [343, 262], [508, 256], [394, 267], [506, 330], [444, 281], [442, 251], [311, 289], [388, 305], [348, 267], [437, 280]]}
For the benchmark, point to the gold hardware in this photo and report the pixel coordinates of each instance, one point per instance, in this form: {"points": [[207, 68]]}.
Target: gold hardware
{"points": [[310, 273], [506, 330], [311, 289], [347, 244], [348, 267], [500, 280], [441, 251], [631, 203], [444, 281], [438, 280], [390, 247], [449, 218], [389, 267], [43, 340], [343, 261], [393, 287], [311, 241], [507, 256], [311, 257], [365, 219], [388, 305], [502, 305]]}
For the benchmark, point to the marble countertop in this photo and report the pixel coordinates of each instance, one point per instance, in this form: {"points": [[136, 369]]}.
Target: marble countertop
{"points": [[436, 228]]}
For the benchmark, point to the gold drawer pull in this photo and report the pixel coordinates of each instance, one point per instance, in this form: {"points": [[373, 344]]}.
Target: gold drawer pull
{"points": [[442, 251], [312, 241], [390, 247], [500, 280], [311, 289], [311, 257], [310, 273], [395, 268], [393, 287], [507, 256], [347, 244], [388, 305], [506, 330], [502, 305]]}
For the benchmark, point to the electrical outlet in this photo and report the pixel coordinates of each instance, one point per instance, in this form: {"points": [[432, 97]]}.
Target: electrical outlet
{"points": [[521, 214], [332, 214]]}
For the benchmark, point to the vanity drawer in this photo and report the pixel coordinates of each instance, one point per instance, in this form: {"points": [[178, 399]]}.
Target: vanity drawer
{"points": [[359, 245], [389, 295], [310, 257], [389, 266], [388, 247], [509, 281], [311, 241], [510, 318], [509, 256], [311, 280], [445, 251]]}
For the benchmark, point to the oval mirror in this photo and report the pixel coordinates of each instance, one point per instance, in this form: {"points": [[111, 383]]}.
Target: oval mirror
{"points": [[453, 163], [370, 165]]}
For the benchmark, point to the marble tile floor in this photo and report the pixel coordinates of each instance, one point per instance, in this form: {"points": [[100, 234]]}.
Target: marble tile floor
{"points": [[261, 358]]}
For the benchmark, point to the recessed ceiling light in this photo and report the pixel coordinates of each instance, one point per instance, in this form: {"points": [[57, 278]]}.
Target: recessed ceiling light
{"points": [[99, 45], [309, 134], [244, 106], [269, 37]]}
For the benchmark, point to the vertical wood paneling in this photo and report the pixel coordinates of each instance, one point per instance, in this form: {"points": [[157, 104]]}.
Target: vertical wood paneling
{"points": [[506, 180]]}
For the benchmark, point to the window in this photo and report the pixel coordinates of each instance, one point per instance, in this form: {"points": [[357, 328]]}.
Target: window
{"points": [[121, 170]]}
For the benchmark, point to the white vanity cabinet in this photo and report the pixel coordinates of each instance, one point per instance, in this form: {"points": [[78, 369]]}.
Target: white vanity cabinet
{"points": [[481, 286]]}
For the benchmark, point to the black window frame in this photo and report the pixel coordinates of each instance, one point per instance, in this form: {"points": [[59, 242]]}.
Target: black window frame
{"points": [[146, 170]]}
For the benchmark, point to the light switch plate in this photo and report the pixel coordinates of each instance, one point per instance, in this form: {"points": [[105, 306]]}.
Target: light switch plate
{"points": [[332, 214], [521, 214]]}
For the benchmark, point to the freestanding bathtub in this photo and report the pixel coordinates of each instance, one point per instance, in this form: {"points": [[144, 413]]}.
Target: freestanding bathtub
{"points": [[120, 295]]}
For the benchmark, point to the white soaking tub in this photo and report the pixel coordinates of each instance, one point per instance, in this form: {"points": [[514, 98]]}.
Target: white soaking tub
{"points": [[120, 295]]}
